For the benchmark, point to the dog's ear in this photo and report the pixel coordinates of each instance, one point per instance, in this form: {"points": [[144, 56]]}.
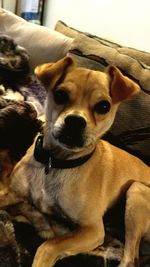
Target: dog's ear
{"points": [[51, 73], [121, 87]]}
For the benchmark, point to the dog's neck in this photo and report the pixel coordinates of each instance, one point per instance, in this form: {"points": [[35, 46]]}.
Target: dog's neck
{"points": [[50, 160]]}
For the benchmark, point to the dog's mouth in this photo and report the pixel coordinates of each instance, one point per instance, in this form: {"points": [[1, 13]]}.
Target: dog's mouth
{"points": [[70, 138]]}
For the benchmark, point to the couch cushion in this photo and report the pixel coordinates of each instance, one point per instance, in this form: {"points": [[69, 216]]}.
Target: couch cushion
{"points": [[89, 48], [94, 52], [42, 44], [73, 33], [131, 128]]}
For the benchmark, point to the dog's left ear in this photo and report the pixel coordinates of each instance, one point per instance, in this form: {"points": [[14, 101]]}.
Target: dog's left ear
{"points": [[50, 73], [121, 87]]}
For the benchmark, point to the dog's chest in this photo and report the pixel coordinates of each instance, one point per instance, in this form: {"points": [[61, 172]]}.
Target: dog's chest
{"points": [[57, 193]]}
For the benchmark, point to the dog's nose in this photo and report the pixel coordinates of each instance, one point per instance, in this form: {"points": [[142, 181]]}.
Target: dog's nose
{"points": [[75, 121]]}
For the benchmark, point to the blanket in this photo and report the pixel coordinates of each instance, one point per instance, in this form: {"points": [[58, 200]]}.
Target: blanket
{"points": [[15, 73], [18, 240]]}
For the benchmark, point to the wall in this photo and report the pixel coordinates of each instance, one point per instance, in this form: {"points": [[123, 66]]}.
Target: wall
{"points": [[9, 4], [123, 21]]}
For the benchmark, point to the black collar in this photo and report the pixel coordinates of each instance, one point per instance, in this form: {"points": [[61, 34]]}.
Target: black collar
{"points": [[45, 157]]}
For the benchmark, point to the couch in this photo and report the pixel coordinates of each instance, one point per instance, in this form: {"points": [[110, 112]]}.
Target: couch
{"points": [[130, 131]]}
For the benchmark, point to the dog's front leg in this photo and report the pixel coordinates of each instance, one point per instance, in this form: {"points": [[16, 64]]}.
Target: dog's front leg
{"points": [[82, 240], [137, 222]]}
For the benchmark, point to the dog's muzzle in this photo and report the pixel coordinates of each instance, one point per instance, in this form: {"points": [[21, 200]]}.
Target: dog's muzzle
{"points": [[72, 131]]}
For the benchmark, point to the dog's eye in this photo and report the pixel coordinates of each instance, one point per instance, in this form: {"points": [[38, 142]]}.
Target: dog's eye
{"points": [[102, 107], [60, 96]]}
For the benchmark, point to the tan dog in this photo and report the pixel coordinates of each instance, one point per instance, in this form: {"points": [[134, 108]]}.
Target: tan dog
{"points": [[76, 176]]}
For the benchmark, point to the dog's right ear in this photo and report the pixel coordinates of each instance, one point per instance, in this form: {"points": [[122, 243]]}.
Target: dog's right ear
{"points": [[121, 87], [50, 73]]}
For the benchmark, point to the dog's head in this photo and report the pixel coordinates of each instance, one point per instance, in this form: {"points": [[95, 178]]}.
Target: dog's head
{"points": [[81, 103]]}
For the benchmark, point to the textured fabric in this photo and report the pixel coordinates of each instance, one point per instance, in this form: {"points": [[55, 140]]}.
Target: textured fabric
{"points": [[12, 56], [14, 74], [16, 249], [14, 61]]}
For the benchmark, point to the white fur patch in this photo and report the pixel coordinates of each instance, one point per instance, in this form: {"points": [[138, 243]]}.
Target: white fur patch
{"points": [[11, 95]]}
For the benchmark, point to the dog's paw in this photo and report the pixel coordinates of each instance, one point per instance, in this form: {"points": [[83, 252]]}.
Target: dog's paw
{"points": [[46, 234], [46, 255]]}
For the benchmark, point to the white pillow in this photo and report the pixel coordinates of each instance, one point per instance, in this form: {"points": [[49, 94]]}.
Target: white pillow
{"points": [[42, 44]]}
